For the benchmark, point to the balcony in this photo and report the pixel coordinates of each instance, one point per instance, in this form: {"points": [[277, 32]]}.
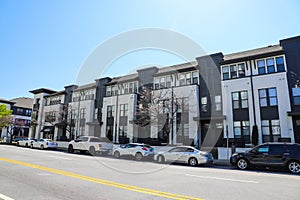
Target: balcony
{"points": [[55, 102]]}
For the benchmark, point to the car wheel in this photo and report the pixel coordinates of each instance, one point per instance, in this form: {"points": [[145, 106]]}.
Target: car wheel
{"points": [[117, 154], [31, 146], [294, 167], [92, 150], [42, 147], [138, 156], [242, 164], [17, 144], [70, 149], [193, 162], [26, 145], [160, 159]]}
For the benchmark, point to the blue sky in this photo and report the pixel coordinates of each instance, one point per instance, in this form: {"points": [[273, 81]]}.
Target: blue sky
{"points": [[44, 43]]}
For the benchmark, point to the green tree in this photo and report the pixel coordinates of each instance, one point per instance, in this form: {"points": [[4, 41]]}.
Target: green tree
{"points": [[5, 116], [254, 135]]}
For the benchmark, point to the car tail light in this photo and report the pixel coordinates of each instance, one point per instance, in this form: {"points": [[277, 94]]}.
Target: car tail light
{"points": [[144, 148], [100, 145]]}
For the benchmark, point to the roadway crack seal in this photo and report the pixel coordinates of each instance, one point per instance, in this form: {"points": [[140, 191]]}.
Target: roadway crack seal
{"points": [[102, 182]]}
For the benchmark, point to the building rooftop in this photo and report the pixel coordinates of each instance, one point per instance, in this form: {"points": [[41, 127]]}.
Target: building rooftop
{"points": [[87, 86], [6, 101], [254, 52], [42, 90], [177, 68], [24, 102]]}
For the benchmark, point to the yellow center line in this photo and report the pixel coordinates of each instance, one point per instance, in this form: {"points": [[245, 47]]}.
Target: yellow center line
{"points": [[101, 181]]}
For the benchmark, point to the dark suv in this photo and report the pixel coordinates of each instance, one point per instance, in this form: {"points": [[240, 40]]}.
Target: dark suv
{"points": [[269, 155]]}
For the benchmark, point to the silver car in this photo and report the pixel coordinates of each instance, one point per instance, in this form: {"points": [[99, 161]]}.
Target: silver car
{"points": [[137, 150], [184, 154]]}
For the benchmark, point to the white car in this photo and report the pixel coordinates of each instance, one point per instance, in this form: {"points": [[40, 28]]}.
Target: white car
{"points": [[44, 144], [138, 150], [91, 144], [184, 154], [26, 142]]}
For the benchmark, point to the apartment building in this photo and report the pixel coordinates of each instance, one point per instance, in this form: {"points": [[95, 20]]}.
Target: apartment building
{"points": [[207, 102]]}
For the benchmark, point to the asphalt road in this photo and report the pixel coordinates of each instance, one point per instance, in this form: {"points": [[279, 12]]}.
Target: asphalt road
{"points": [[35, 174]]}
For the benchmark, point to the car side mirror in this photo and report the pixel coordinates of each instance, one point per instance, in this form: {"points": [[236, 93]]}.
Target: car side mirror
{"points": [[122, 146]]}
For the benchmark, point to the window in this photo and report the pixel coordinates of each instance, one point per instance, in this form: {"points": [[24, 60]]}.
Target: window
{"points": [[188, 78], [126, 90], [168, 81], [242, 130], [267, 97], [261, 67], [241, 70], [82, 113], [204, 107], [131, 87], [123, 131], [280, 64], [218, 103], [270, 65], [162, 82], [110, 111], [225, 70], [195, 77], [296, 95], [233, 71], [240, 99], [123, 110], [108, 91], [270, 130], [156, 83], [182, 79]]}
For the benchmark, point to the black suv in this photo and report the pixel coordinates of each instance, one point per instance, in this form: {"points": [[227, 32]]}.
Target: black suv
{"points": [[269, 155]]}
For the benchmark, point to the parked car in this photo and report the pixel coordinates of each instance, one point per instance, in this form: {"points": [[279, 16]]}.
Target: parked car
{"points": [[91, 144], [44, 144], [269, 155], [16, 140], [137, 150], [185, 154], [26, 142]]}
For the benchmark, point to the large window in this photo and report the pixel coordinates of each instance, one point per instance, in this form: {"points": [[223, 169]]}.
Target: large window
{"points": [[225, 72], [233, 71], [270, 130], [261, 67], [242, 130], [240, 99], [270, 65], [267, 97], [280, 64], [110, 111], [296, 95], [123, 110], [195, 77]]}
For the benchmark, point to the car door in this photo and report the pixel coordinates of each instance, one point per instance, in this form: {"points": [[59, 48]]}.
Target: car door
{"points": [[260, 155], [173, 154], [184, 154], [278, 155]]}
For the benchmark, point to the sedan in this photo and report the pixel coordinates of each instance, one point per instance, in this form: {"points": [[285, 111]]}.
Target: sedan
{"points": [[184, 154], [137, 150], [26, 142], [44, 144]]}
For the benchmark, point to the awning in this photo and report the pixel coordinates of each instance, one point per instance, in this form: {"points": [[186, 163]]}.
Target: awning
{"points": [[209, 118], [293, 113]]}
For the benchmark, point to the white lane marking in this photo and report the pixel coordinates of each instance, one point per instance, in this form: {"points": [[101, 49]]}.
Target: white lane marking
{"points": [[2, 196], [60, 157], [223, 179]]}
